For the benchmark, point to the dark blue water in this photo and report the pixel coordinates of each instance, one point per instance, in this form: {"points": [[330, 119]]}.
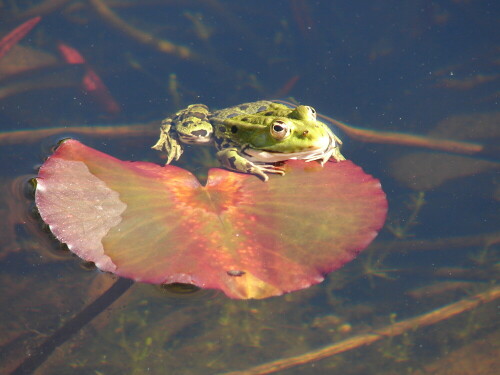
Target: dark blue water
{"points": [[422, 67]]}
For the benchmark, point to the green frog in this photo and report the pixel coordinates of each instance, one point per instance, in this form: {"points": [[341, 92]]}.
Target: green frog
{"points": [[251, 137]]}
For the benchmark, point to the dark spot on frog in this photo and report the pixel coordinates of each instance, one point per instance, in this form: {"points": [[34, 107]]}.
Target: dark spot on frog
{"points": [[236, 273], [200, 133], [232, 161], [268, 113], [261, 109], [218, 142], [243, 107], [222, 129], [234, 129], [305, 132], [232, 115]]}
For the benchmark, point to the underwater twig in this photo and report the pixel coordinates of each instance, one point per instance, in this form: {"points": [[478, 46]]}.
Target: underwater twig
{"points": [[72, 326], [42, 9], [161, 45], [237, 24], [406, 139], [173, 90], [140, 36], [391, 330], [56, 76], [448, 243], [25, 136], [364, 135]]}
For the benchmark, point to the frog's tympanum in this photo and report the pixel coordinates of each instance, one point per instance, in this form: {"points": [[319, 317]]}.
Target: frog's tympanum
{"points": [[252, 137]]}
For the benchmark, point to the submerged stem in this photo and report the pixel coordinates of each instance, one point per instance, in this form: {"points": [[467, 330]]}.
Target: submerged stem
{"points": [[72, 326], [396, 329]]}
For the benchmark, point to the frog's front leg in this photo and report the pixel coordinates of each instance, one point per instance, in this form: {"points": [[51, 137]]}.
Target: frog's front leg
{"points": [[231, 159], [169, 141]]}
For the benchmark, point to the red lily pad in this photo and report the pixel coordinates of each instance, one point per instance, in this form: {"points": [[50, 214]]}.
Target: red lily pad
{"points": [[248, 238]]}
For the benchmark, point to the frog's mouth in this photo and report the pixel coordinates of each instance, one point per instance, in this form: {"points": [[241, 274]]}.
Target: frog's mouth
{"points": [[322, 150]]}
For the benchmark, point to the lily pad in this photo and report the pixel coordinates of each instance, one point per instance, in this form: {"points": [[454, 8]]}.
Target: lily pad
{"points": [[248, 238]]}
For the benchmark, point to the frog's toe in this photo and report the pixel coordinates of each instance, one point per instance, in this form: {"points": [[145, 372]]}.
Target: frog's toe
{"points": [[174, 152], [158, 145], [171, 157], [337, 156], [272, 169], [276, 171], [161, 143], [259, 171], [261, 175]]}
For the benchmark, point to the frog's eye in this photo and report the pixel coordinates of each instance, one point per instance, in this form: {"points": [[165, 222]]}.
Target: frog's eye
{"points": [[312, 112], [280, 130]]}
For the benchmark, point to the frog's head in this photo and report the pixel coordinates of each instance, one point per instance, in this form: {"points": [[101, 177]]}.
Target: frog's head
{"points": [[281, 133]]}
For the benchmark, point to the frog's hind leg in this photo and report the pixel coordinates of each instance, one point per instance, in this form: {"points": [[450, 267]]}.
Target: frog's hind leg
{"points": [[193, 126], [231, 159], [169, 141]]}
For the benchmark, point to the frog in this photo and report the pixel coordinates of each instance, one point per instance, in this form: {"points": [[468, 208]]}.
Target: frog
{"points": [[254, 138]]}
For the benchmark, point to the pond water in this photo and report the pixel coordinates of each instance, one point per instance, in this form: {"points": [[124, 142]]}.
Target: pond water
{"points": [[421, 67]]}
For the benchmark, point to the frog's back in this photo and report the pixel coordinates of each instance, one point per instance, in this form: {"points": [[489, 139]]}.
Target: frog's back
{"points": [[241, 109]]}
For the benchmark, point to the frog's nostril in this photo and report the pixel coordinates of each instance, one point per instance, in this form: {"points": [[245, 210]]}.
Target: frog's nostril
{"points": [[305, 132]]}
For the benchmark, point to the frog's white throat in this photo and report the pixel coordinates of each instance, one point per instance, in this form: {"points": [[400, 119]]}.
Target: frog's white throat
{"points": [[323, 148]]}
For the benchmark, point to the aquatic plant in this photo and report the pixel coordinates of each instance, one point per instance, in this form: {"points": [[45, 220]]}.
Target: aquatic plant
{"points": [[395, 83], [248, 238]]}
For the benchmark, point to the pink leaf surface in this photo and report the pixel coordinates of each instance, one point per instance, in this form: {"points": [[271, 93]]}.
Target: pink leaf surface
{"points": [[248, 238]]}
